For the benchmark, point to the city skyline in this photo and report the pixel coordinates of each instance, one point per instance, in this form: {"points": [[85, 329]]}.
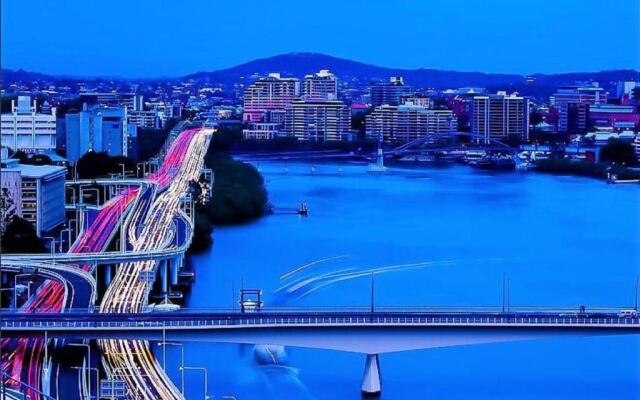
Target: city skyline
{"points": [[519, 39]]}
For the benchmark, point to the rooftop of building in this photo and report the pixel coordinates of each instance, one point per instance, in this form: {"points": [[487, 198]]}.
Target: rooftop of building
{"points": [[40, 171]]}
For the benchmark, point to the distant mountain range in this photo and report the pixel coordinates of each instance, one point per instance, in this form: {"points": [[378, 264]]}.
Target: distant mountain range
{"points": [[300, 64]]}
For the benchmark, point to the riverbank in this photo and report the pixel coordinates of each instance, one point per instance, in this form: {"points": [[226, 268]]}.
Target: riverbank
{"points": [[585, 169], [238, 196]]}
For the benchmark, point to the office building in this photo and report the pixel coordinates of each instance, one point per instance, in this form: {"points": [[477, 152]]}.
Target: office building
{"points": [[317, 120], [625, 89], [25, 129], [96, 129], [272, 93], [572, 104], [144, 119], [131, 101], [500, 117], [37, 192], [390, 93], [407, 122], [321, 85]]}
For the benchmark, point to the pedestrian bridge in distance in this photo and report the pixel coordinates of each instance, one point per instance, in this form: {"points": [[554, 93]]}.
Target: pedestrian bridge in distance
{"points": [[353, 330]]}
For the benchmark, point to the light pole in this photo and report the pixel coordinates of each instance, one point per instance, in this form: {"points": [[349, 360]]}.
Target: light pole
{"points": [[68, 230], [15, 291], [97, 371], [88, 359], [53, 247], [206, 378], [164, 343]]}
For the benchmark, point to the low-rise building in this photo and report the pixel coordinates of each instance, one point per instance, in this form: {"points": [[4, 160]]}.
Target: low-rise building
{"points": [[613, 116], [37, 192], [262, 130]]}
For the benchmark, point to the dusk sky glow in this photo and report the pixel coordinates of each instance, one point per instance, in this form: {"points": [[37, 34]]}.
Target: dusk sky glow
{"points": [[145, 38]]}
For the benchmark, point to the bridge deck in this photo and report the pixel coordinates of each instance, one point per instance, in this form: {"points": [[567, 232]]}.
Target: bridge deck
{"points": [[218, 320]]}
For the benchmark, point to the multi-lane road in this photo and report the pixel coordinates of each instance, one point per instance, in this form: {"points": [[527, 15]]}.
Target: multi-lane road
{"points": [[146, 213]]}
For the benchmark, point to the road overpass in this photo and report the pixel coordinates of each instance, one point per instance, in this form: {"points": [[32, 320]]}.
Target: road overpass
{"points": [[370, 333]]}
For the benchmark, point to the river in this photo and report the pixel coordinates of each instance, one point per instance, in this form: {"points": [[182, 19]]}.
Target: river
{"points": [[561, 241]]}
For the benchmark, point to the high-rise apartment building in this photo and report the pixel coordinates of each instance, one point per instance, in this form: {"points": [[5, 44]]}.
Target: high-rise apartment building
{"points": [[317, 120], [407, 122], [572, 103], [390, 93], [500, 116], [321, 85], [272, 93], [25, 129], [96, 129]]}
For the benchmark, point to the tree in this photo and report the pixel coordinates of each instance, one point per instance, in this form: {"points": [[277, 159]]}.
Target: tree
{"points": [[94, 165], [39, 159], [238, 192], [618, 151], [20, 237]]}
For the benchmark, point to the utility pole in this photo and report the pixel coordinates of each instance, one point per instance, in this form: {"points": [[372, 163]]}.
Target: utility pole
{"points": [[636, 296], [372, 293], [504, 284]]}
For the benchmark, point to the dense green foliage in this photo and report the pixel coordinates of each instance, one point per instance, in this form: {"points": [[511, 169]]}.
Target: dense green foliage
{"points": [[94, 165], [238, 192], [564, 166], [20, 237], [238, 196], [583, 168], [618, 151]]}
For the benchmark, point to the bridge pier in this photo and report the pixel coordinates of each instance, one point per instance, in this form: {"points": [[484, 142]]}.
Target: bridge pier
{"points": [[107, 275], [371, 380], [175, 266], [164, 275]]}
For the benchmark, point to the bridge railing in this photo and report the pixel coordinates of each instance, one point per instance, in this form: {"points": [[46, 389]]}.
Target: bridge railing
{"points": [[567, 311], [177, 320]]}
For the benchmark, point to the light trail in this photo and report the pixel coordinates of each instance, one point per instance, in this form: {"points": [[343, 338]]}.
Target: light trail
{"points": [[128, 290]]}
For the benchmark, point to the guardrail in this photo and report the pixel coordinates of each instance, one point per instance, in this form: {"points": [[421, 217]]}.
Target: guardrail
{"points": [[152, 321], [6, 387]]}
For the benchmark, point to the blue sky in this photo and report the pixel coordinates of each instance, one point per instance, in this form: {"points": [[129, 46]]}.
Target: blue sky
{"points": [[149, 38]]}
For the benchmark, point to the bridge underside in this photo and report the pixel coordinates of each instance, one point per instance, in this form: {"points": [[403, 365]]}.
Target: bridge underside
{"points": [[360, 339]]}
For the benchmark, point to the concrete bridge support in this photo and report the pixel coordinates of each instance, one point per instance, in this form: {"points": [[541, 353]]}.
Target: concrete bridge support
{"points": [[175, 266], [107, 274], [371, 380], [164, 275]]}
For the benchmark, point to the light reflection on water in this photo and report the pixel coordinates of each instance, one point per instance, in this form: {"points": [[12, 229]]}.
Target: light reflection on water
{"points": [[562, 241]]}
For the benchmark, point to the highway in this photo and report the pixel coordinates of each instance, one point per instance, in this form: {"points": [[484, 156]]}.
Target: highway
{"points": [[26, 362], [129, 290]]}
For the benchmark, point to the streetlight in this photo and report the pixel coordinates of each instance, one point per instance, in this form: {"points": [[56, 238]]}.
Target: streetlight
{"points": [[206, 378], [15, 287], [53, 246], [88, 360], [165, 343], [97, 377], [68, 230]]}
